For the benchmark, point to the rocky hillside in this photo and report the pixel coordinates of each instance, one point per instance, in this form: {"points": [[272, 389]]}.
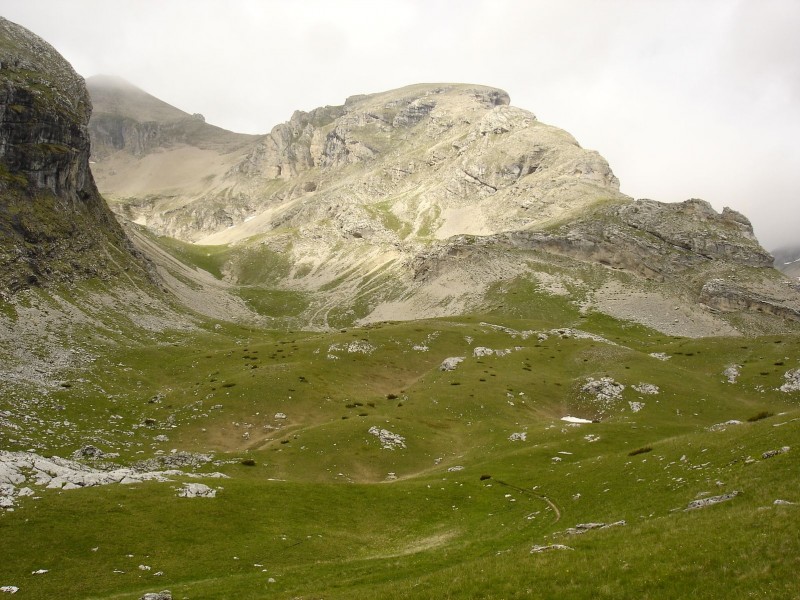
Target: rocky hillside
{"points": [[427, 201], [149, 153], [54, 226]]}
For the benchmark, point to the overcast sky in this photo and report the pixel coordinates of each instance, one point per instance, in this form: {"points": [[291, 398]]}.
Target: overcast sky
{"points": [[684, 98]]}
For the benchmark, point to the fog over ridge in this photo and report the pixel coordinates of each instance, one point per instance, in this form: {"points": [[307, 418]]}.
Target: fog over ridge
{"points": [[684, 99]]}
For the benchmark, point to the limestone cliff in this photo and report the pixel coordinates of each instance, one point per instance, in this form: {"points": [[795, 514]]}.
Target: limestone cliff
{"points": [[54, 226], [419, 201]]}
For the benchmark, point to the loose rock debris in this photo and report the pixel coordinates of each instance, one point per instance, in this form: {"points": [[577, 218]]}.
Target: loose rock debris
{"points": [[18, 470], [704, 502], [389, 440], [538, 549]]}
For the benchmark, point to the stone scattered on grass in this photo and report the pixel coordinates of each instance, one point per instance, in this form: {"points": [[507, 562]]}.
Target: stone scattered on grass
{"points": [[450, 363], [771, 453], [195, 490], [780, 502], [162, 595], [660, 355], [636, 406], [792, 381], [538, 549], [582, 528], [649, 389], [704, 502], [9, 589], [604, 390], [518, 437], [732, 373], [389, 440], [723, 426]]}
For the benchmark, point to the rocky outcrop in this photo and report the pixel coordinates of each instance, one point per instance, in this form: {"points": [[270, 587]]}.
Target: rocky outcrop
{"points": [[126, 118], [54, 226], [433, 182], [728, 296]]}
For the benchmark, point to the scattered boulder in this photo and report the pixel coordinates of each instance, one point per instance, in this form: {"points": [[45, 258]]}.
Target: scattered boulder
{"points": [[196, 490], [450, 363], [9, 589], [723, 426], [792, 381], [582, 528], [518, 437], [732, 373], [704, 502], [660, 355], [389, 440], [90, 452], [648, 389], [780, 502], [538, 549], [162, 595], [771, 453]]}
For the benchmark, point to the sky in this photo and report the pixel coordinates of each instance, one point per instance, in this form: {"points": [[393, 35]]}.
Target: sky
{"points": [[684, 98]]}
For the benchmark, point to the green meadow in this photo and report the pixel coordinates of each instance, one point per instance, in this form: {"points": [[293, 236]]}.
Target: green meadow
{"points": [[314, 505]]}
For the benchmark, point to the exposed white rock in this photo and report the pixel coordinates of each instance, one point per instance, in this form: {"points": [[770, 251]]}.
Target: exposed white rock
{"points": [[660, 355], [162, 595], [9, 589], [604, 390], [538, 549], [732, 372], [518, 437], [196, 490], [582, 528], [771, 453], [389, 440], [636, 406], [355, 347], [450, 363], [792, 381], [17, 468], [724, 426], [603, 394], [704, 502], [780, 502], [647, 389]]}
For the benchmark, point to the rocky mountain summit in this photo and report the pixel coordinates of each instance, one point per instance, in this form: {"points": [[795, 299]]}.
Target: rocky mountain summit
{"points": [[421, 201], [55, 225]]}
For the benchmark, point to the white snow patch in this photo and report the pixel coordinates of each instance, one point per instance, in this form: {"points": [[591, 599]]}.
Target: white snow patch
{"points": [[569, 419]]}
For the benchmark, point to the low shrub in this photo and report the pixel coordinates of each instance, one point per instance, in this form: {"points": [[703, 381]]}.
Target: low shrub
{"points": [[642, 450], [762, 415]]}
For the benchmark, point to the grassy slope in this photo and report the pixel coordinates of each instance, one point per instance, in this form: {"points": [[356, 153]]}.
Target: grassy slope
{"points": [[317, 513]]}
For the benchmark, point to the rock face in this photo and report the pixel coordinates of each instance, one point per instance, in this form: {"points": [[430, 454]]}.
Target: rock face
{"points": [[53, 223], [417, 202]]}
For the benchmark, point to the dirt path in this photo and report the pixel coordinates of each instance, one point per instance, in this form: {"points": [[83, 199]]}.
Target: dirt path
{"points": [[549, 502]]}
